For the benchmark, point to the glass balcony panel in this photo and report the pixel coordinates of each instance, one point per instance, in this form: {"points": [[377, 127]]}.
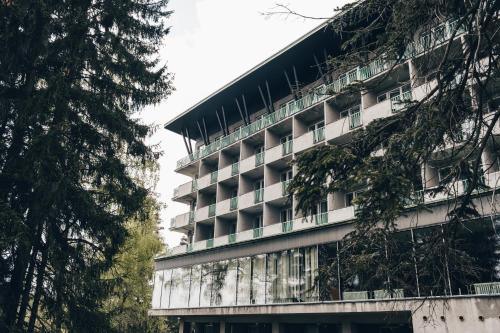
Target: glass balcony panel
{"points": [[194, 185], [259, 159], [257, 232], [235, 168], [287, 147], [259, 195], [319, 135], [210, 243], [233, 203], [321, 219], [213, 177], [231, 238], [211, 210], [355, 120], [287, 226], [191, 217]]}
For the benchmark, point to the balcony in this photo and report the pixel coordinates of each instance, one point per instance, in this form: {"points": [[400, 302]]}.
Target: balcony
{"points": [[309, 139], [185, 189], [338, 129], [399, 102], [182, 221]]}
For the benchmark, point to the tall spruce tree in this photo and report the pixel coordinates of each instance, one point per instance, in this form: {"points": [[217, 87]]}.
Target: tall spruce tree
{"points": [[456, 45], [72, 76]]}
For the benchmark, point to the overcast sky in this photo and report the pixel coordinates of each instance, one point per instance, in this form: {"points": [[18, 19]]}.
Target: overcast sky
{"points": [[211, 43]]}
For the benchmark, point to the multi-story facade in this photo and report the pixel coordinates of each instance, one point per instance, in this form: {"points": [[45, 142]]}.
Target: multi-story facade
{"points": [[250, 263]]}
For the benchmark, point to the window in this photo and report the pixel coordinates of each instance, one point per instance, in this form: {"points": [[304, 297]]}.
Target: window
{"points": [[320, 208], [287, 175], [286, 139], [258, 222], [350, 111], [316, 126], [286, 215], [259, 184], [349, 198]]}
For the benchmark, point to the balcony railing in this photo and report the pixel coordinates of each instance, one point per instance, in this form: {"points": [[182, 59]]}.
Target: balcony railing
{"points": [[235, 168], [439, 34], [233, 203], [259, 159], [321, 219], [284, 187], [189, 248], [399, 102], [287, 226], [489, 288], [210, 243], [213, 177], [191, 217], [287, 147], [257, 232], [231, 238], [194, 185], [355, 120], [259, 195], [211, 210], [319, 134], [172, 222]]}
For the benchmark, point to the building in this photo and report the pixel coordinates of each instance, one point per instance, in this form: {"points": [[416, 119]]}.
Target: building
{"points": [[249, 264]]}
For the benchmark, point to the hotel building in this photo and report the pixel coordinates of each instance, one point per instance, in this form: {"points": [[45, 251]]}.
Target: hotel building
{"points": [[250, 263]]}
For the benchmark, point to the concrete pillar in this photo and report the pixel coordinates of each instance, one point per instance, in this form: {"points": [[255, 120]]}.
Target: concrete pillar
{"points": [[181, 325], [222, 327]]}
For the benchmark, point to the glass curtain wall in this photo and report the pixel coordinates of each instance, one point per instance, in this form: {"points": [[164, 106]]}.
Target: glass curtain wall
{"points": [[402, 268]]}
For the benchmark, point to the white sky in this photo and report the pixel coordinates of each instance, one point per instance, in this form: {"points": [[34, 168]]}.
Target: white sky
{"points": [[211, 43]]}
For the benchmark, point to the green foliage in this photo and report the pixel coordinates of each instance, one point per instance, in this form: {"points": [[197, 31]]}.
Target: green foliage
{"points": [[72, 76], [129, 300], [386, 156]]}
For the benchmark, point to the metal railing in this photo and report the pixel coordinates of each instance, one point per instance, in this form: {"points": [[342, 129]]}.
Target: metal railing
{"points": [[319, 134], [287, 148], [488, 288], [284, 187], [235, 168], [233, 203], [399, 102], [259, 195], [287, 226], [355, 120], [438, 35], [211, 210], [257, 232], [259, 159]]}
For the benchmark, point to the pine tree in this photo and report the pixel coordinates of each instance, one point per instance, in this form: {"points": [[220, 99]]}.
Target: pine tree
{"points": [[466, 92], [72, 76]]}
